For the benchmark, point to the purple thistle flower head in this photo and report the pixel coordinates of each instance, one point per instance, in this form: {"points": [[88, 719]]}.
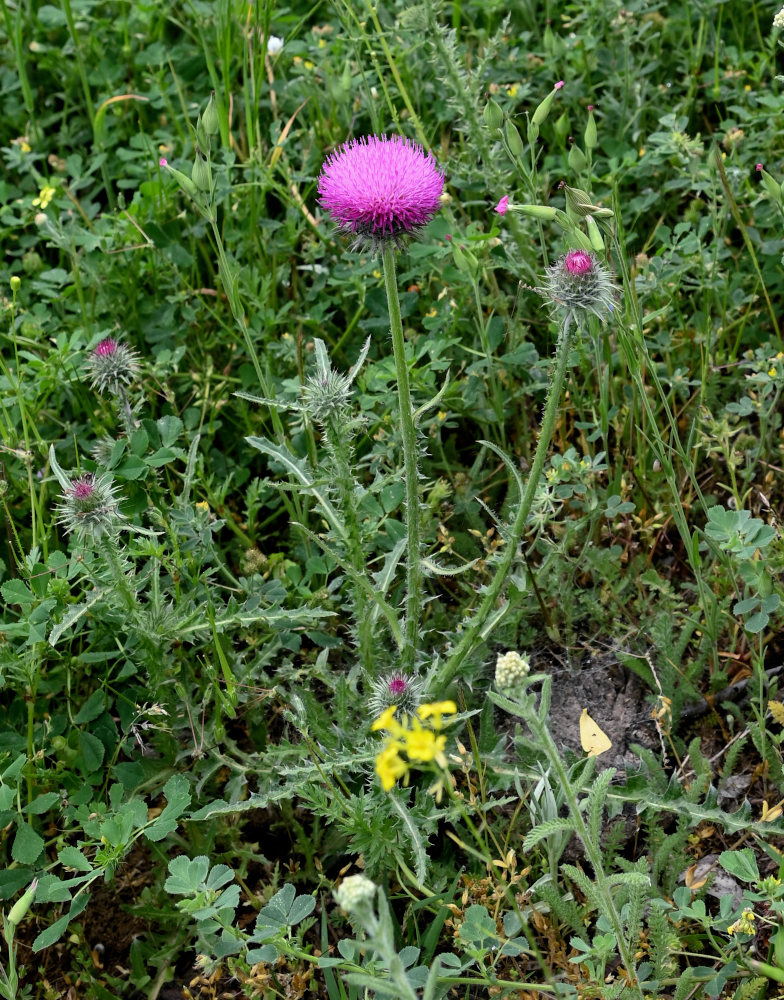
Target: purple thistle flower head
{"points": [[89, 508], [112, 366], [579, 283], [106, 348], [395, 689], [380, 189]]}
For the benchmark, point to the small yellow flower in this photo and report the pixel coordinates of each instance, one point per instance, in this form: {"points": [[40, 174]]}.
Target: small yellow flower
{"points": [[512, 91], [434, 710], [744, 925], [423, 745], [385, 721], [202, 505], [390, 766], [44, 197], [772, 372]]}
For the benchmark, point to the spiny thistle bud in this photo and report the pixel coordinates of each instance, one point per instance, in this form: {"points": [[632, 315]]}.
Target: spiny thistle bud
{"points": [[493, 115], [112, 366], [210, 121], [355, 893], [395, 689], [511, 669], [579, 283], [326, 393], [89, 508]]}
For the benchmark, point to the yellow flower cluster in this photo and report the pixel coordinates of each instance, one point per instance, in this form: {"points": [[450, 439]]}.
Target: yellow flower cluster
{"points": [[45, 196], [417, 736], [744, 925]]}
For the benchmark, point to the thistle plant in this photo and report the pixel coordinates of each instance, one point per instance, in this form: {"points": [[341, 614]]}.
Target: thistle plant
{"points": [[112, 367], [381, 191]]}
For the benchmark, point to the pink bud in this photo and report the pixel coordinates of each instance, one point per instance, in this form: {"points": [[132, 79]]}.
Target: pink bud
{"points": [[397, 685], [503, 205], [163, 162], [558, 85], [590, 107], [578, 262], [448, 236], [758, 167]]}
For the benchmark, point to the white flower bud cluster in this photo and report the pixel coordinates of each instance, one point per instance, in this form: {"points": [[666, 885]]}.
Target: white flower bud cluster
{"points": [[778, 20], [354, 892], [511, 669]]}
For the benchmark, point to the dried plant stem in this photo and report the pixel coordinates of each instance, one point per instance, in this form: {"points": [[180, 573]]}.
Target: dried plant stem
{"points": [[410, 462]]}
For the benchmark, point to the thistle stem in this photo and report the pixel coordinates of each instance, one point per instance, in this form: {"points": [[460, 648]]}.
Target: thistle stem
{"points": [[472, 634], [410, 463]]}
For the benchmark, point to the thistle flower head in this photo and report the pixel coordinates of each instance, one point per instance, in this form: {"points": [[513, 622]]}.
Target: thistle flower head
{"points": [[89, 507], [395, 689], [326, 393], [380, 190], [580, 283], [112, 366]]}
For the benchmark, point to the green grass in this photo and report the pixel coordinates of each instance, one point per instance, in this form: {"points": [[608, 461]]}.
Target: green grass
{"points": [[187, 704]]}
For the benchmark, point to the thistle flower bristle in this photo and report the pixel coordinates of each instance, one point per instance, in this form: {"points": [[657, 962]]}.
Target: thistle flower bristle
{"points": [[112, 366], [380, 189], [580, 283], [89, 508], [395, 689]]}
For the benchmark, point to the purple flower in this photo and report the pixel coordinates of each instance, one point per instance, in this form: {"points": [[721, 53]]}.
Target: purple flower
{"points": [[112, 366], [578, 262], [503, 205], [579, 283], [89, 508], [380, 189]]}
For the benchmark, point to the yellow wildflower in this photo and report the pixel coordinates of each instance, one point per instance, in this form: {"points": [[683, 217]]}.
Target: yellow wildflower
{"points": [[45, 196], [390, 766], [745, 923], [434, 710], [772, 373], [423, 745], [385, 721]]}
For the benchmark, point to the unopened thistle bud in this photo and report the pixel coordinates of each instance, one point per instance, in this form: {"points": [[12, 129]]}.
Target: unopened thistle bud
{"points": [[89, 508], [511, 669], [395, 689], [579, 283], [493, 115], [325, 394], [112, 366], [210, 121]]}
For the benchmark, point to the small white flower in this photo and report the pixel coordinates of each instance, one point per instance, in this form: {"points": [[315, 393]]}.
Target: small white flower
{"points": [[510, 670], [274, 45], [354, 892], [778, 20]]}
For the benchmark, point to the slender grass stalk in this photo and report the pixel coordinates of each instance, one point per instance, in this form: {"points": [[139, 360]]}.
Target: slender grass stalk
{"points": [[410, 463], [473, 633]]}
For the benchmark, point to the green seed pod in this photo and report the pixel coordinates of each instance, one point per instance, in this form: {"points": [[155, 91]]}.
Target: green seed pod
{"points": [[22, 905], [770, 184], [533, 133], [538, 211], [186, 184], [466, 261], [543, 110], [493, 115], [209, 119], [16, 282], [576, 159], [562, 126], [590, 132], [513, 140], [578, 202], [200, 174], [594, 234]]}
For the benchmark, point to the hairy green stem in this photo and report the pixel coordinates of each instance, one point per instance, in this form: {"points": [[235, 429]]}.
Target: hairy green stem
{"points": [[472, 634], [410, 462]]}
